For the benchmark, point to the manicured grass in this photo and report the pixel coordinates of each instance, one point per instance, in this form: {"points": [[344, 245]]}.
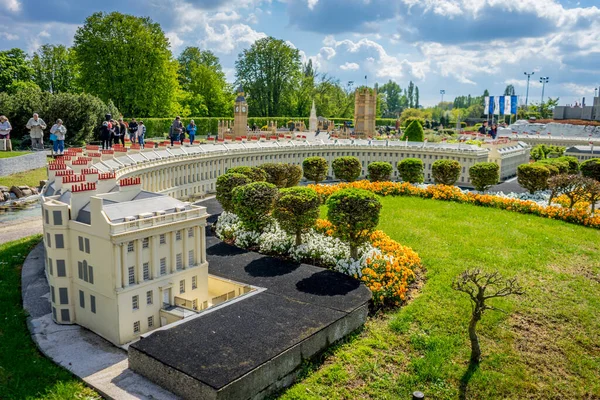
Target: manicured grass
{"points": [[9, 154], [546, 345], [24, 372], [30, 178]]}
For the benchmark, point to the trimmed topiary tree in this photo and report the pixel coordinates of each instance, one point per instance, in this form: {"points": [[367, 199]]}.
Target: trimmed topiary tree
{"points": [[414, 132], [225, 185], [573, 163], [484, 175], [296, 210], [346, 168], [411, 170], [293, 175], [561, 165], [379, 171], [552, 169], [533, 177], [591, 168], [276, 173], [315, 169], [445, 172], [354, 213], [253, 204], [254, 173]]}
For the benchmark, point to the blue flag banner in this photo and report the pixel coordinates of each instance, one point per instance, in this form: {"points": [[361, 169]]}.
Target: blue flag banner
{"points": [[501, 105], [513, 104], [491, 105]]}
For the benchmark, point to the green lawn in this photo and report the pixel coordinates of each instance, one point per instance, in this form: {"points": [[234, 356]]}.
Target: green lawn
{"points": [[30, 178], [24, 372], [546, 346], [9, 154]]}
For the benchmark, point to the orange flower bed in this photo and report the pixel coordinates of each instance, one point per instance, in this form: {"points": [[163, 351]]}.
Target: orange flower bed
{"points": [[578, 215]]}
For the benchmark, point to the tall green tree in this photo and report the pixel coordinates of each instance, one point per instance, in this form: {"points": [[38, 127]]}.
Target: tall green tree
{"points": [[193, 56], [269, 71], [411, 94], [13, 68], [416, 97], [509, 90], [393, 93], [54, 68], [127, 59]]}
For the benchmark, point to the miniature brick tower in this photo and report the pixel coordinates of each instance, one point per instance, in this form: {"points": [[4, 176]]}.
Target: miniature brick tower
{"points": [[365, 103], [240, 115]]}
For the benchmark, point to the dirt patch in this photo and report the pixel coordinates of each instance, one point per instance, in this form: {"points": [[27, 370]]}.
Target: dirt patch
{"points": [[578, 266]]}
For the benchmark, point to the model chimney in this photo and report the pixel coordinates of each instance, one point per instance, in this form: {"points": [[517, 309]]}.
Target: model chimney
{"points": [[69, 180], [128, 185], [58, 178], [106, 182], [91, 174], [80, 196]]}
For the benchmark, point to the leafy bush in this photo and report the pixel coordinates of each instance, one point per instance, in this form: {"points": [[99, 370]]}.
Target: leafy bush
{"points": [[296, 210], [354, 213], [533, 177], [346, 168], [253, 204], [445, 172], [573, 163], [255, 174], [293, 175], [276, 173], [551, 167], [592, 192], [542, 151], [571, 186], [315, 169], [225, 185], [414, 132], [561, 165], [379, 171], [411, 170], [591, 168], [484, 175]]}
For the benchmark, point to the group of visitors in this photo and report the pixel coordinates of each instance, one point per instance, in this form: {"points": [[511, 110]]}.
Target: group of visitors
{"points": [[36, 127], [493, 131], [115, 132], [177, 131]]}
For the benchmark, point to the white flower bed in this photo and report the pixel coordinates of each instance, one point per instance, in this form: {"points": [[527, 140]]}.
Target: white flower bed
{"points": [[316, 248]]}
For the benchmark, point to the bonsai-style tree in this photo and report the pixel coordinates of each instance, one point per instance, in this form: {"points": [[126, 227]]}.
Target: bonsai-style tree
{"points": [[591, 168], [276, 173], [315, 169], [592, 192], [573, 163], [414, 132], [482, 286], [354, 213], [445, 172], [571, 186], [296, 210], [346, 168], [561, 165], [254, 173], [533, 177], [484, 175], [293, 175], [225, 185], [253, 204], [411, 170], [379, 171]]}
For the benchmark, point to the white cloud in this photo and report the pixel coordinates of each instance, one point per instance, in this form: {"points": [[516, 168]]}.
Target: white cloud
{"points": [[175, 41], [312, 4], [349, 66], [9, 36], [13, 6], [327, 53], [225, 39]]}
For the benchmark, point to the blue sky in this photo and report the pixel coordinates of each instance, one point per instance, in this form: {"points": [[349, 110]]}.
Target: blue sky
{"points": [[461, 46]]}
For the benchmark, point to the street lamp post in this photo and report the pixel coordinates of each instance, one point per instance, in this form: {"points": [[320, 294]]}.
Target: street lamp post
{"points": [[442, 92], [596, 92], [543, 81], [527, 94]]}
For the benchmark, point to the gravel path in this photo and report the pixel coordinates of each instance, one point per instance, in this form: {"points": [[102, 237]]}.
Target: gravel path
{"points": [[19, 229]]}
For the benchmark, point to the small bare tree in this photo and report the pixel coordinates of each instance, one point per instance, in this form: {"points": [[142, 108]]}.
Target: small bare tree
{"points": [[475, 283], [592, 192]]}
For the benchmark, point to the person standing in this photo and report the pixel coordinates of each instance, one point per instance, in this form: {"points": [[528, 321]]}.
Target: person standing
{"points": [[105, 135], [141, 133], [36, 127], [176, 130], [133, 127], [119, 133], [494, 131], [483, 129], [5, 129], [59, 131], [191, 130]]}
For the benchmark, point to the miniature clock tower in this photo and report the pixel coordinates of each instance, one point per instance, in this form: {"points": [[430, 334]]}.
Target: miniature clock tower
{"points": [[240, 115]]}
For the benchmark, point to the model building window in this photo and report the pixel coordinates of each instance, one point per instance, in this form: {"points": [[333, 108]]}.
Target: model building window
{"points": [[191, 232], [146, 271], [61, 269], [53, 295], [130, 247], [178, 235], [47, 216], [48, 241], [149, 297], [50, 266], [63, 295], [163, 266], [191, 258], [145, 243], [87, 245], [136, 327], [182, 286], [81, 299], [163, 239], [57, 215], [135, 302], [131, 275], [194, 282], [93, 304], [179, 259], [64, 316], [195, 304], [150, 321], [80, 239], [59, 240]]}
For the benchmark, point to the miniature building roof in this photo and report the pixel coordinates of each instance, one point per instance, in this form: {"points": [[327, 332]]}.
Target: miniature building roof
{"points": [[117, 212], [581, 149]]}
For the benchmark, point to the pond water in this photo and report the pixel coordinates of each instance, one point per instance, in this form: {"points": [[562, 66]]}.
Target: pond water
{"points": [[14, 214]]}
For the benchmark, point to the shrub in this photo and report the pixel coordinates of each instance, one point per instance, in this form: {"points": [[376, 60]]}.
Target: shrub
{"points": [[592, 192], [379, 171], [414, 132], [571, 186], [561, 165], [552, 168], [573, 163], [542, 151], [484, 175], [296, 210], [445, 172], [225, 185], [533, 177], [346, 168], [293, 175], [411, 170], [254, 173], [276, 173], [315, 169], [253, 204], [354, 213], [591, 168]]}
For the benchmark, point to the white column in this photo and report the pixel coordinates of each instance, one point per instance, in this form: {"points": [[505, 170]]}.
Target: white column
{"points": [[186, 247], [117, 266], [154, 259], [124, 267], [139, 267], [173, 257], [198, 243], [203, 242]]}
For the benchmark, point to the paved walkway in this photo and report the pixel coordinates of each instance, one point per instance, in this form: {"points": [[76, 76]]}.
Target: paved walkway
{"points": [[20, 228]]}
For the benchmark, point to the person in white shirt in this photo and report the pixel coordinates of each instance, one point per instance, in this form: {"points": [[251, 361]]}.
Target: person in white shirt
{"points": [[36, 127], [59, 130], [5, 129]]}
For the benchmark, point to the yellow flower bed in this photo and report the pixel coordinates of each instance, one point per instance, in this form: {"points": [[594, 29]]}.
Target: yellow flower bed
{"points": [[578, 215], [389, 274]]}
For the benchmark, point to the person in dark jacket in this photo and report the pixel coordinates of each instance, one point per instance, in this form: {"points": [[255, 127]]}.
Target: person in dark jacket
{"points": [[494, 131], [105, 135], [133, 127], [483, 129], [176, 130]]}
